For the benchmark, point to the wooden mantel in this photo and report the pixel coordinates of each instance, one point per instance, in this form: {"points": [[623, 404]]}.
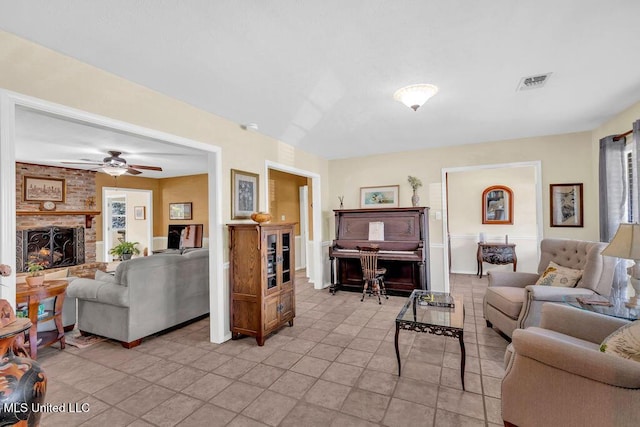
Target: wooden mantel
{"points": [[88, 215]]}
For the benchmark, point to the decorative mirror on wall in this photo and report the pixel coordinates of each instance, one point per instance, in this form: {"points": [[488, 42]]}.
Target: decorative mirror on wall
{"points": [[497, 205]]}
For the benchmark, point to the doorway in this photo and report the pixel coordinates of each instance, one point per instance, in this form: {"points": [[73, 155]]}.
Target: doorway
{"points": [[314, 254], [128, 215], [462, 215], [10, 102]]}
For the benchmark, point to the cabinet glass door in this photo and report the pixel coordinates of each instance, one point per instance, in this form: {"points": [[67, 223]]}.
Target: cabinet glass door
{"points": [[272, 266], [286, 257]]}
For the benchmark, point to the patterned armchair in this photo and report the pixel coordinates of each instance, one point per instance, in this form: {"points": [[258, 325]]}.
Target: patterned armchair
{"points": [[513, 301]]}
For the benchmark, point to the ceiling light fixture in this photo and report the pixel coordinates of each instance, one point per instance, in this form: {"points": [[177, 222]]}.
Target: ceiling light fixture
{"points": [[114, 170], [415, 95]]}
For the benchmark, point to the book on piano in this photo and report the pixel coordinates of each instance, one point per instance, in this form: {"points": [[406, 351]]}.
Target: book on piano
{"points": [[436, 300]]}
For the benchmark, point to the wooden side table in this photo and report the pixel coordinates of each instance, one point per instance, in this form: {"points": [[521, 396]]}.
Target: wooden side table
{"points": [[496, 253], [32, 298]]}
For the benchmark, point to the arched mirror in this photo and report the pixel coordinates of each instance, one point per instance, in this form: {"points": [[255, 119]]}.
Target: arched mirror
{"points": [[497, 205]]}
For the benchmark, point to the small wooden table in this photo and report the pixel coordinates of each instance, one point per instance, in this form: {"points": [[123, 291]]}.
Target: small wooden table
{"points": [[32, 298], [496, 253]]}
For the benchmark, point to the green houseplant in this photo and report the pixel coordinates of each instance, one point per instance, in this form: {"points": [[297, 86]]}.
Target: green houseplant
{"points": [[125, 250], [415, 183]]}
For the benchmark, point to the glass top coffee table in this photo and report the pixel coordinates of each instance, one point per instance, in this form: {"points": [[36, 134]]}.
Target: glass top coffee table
{"points": [[617, 308], [436, 313]]}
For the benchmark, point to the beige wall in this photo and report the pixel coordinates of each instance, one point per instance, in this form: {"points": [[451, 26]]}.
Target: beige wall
{"points": [[191, 189], [284, 197], [31, 69]]}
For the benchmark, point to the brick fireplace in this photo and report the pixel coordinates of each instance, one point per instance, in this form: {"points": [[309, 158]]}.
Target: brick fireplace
{"points": [[80, 190]]}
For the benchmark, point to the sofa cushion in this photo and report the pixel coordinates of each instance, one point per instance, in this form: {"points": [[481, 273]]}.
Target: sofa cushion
{"points": [[624, 342], [506, 299], [557, 275]]}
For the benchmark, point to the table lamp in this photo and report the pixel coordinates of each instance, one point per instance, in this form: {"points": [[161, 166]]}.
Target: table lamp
{"points": [[626, 244]]}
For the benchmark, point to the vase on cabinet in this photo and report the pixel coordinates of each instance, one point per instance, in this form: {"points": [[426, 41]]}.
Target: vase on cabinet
{"points": [[415, 199]]}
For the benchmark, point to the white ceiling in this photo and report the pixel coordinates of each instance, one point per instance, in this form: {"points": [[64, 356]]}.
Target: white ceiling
{"points": [[51, 140], [320, 75]]}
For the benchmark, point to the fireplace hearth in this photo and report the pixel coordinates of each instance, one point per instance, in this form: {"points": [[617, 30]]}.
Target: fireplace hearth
{"points": [[52, 247]]}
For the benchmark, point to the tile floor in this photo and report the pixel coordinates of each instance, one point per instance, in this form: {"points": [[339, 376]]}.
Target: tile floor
{"points": [[335, 367]]}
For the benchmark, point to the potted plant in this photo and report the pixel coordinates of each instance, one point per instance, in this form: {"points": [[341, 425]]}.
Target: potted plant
{"points": [[35, 277], [125, 250]]}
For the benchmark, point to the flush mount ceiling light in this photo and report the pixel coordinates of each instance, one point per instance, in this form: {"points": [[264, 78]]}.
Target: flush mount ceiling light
{"points": [[415, 95]]}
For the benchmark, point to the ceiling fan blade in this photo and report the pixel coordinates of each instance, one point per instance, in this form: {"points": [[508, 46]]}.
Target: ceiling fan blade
{"points": [[83, 163], [132, 171], [151, 168]]}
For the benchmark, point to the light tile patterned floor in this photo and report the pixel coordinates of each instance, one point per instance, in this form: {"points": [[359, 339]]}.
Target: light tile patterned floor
{"points": [[335, 367]]}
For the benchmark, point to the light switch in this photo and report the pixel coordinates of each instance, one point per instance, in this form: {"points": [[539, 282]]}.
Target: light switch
{"points": [[439, 215], [282, 218]]}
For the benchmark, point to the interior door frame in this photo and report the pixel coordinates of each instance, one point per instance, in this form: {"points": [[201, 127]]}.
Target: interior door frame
{"points": [[106, 218], [537, 165], [219, 330], [314, 259]]}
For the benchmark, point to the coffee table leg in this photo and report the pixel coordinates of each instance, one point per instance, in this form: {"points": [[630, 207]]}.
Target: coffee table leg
{"points": [[463, 357], [397, 349]]}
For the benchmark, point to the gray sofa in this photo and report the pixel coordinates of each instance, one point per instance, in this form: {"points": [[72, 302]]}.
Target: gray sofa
{"points": [[145, 295]]}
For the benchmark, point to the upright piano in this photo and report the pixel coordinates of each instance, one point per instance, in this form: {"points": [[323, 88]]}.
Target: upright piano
{"points": [[404, 251]]}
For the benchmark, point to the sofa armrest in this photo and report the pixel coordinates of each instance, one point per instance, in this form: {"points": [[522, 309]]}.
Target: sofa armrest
{"points": [[98, 291], [511, 278], [555, 293], [575, 359], [578, 323]]}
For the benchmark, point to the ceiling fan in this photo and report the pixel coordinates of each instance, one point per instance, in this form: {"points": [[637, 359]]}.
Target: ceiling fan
{"points": [[115, 165]]}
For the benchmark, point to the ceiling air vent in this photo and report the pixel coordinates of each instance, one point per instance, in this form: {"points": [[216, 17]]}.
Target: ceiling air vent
{"points": [[533, 82]]}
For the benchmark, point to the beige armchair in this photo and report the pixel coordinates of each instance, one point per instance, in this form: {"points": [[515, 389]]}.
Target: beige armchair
{"points": [[512, 299], [556, 375]]}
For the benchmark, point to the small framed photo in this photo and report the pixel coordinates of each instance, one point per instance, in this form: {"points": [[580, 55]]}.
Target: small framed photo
{"points": [[244, 194], [36, 189], [139, 212], [566, 205], [180, 210], [379, 197]]}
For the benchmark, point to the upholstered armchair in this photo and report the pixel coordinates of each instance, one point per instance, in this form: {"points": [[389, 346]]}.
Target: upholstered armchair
{"points": [[556, 375], [512, 299]]}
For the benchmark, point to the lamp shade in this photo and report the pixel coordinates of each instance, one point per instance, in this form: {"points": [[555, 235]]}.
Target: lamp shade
{"points": [[114, 170], [626, 243], [415, 95]]}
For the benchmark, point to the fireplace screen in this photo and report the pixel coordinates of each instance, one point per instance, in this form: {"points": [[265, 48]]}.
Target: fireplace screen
{"points": [[50, 246]]}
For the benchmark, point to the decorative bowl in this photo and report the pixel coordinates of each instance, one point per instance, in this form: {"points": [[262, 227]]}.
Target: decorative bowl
{"points": [[261, 217]]}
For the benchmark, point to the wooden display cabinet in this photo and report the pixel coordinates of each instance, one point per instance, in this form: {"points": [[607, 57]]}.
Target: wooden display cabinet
{"points": [[261, 278]]}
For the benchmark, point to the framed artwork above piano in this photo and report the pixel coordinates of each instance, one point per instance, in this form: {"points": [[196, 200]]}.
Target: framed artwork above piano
{"points": [[404, 252]]}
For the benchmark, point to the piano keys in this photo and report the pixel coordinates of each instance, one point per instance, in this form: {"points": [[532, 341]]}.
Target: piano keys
{"points": [[404, 252]]}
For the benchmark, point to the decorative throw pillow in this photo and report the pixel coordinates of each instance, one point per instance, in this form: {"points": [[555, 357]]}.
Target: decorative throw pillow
{"points": [[625, 342], [557, 275]]}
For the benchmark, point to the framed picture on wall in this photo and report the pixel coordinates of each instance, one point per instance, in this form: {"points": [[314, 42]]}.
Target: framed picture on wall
{"points": [[139, 212], [379, 197], [36, 189], [180, 210], [244, 194], [566, 205]]}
